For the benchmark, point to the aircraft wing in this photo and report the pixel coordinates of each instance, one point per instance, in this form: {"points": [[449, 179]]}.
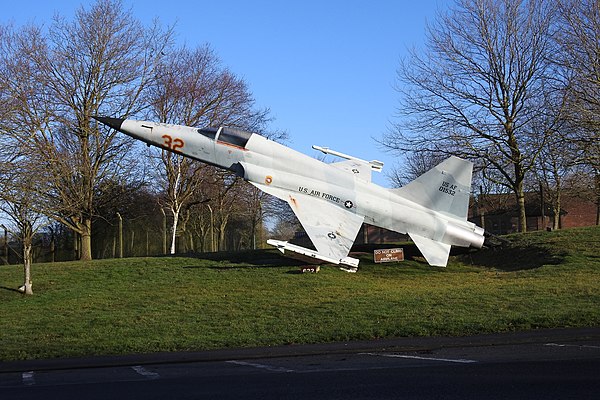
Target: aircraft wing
{"points": [[331, 229]]}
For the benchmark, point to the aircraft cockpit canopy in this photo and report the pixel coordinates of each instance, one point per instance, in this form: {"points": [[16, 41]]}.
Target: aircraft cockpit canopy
{"points": [[210, 133], [233, 136]]}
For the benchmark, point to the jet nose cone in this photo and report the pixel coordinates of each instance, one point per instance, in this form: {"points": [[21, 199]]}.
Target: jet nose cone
{"points": [[114, 123]]}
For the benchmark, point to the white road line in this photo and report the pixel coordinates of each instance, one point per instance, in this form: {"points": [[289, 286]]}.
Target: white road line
{"points": [[28, 378], [260, 366], [145, 373], [451, 360], [572, 345]]}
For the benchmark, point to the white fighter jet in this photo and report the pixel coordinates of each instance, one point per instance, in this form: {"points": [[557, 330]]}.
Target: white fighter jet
{"points": [[331, 201]]}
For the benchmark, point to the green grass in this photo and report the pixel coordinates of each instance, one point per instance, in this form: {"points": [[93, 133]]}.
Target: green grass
{"points": [[542, 280]]}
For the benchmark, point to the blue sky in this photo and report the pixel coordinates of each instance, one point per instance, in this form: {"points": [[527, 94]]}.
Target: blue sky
{"points": [[325, 69]]}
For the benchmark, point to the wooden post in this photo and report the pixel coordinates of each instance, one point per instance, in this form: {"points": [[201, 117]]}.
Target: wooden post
{"points": [[52, 245], [5, 246], [120, 235]]}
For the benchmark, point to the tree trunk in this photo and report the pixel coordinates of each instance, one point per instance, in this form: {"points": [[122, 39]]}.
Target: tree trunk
{"points": [[597, 198], [254, 224], [202, 238], [222, 246], [86, 240], [120, 235], [557, 207], [521, 204], [27, 236], [174, 229], [212, 229], [27, 286], [76, 245], [52, 246], [520, 191]]}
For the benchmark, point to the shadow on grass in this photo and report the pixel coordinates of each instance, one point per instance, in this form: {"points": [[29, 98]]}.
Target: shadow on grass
{"points": [[247, 259], [515, 257], [10, 289], [509, 257]]}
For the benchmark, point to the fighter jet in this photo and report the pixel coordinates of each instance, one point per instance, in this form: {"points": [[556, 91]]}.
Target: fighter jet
{"points": [[331, 201]]}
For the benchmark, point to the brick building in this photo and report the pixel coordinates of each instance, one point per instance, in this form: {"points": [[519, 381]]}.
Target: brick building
{"points": [[498, 213]]}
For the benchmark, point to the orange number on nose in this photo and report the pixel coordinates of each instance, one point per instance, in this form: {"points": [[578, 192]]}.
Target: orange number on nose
{"points": [[168, 140], [173, 144], [177, 144]]}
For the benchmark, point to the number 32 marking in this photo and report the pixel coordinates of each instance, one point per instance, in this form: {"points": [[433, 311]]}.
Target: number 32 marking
{"points": [[173, 144]]}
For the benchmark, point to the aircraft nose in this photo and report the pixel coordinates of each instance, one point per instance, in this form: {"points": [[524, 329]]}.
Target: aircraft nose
{"points": [[114, 123]]}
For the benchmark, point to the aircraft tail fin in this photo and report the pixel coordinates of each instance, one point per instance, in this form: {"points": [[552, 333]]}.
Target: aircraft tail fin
{"points": [[445, 188]]}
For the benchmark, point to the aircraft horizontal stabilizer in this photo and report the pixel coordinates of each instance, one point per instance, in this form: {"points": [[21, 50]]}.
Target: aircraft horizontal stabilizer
{"points": [[311, 255], [436, 253]]}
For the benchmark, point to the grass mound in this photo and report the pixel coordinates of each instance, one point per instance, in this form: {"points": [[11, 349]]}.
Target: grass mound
{"points": [[541, 280]]}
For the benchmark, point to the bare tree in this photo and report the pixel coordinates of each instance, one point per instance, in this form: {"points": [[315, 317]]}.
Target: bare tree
{"points": [[256, 207], [24, 112], [225, 202], [19, 176], [553, 167], [99, 63], [193, 89], [24, 223], [580, 59], [476, 89], [182, 179]]}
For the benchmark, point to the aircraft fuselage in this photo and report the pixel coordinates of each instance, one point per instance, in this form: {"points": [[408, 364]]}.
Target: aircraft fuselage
{"points": [[282, 171]]}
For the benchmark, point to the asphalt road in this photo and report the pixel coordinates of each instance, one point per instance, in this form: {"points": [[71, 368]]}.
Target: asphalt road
{"points": [[550, 364]]}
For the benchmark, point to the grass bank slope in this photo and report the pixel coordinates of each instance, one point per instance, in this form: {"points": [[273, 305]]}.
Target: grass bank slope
{"points": [[541, 280]]}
